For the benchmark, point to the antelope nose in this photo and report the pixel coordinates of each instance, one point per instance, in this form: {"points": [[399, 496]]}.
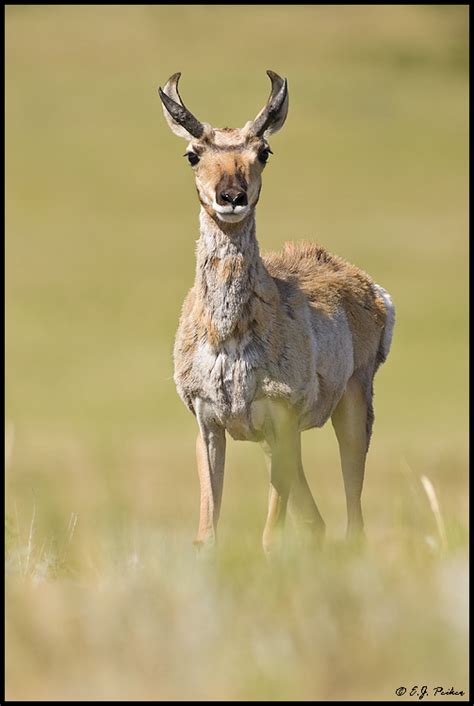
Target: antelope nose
{"points": [[234, 197]]}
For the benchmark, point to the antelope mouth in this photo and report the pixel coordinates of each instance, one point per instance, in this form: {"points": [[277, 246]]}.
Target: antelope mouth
{"points": [[230, 214]]}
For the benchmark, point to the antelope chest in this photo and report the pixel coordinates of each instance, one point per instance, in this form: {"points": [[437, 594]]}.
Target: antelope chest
{"points": [[228, 383]]}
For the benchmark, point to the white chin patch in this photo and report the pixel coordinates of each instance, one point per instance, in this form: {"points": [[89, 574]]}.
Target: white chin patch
{"points": [[229, 214], [231, 217]]}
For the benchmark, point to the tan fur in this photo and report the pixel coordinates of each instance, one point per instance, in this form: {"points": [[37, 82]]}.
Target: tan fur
{"points": [[229, 267], [329, 282]]}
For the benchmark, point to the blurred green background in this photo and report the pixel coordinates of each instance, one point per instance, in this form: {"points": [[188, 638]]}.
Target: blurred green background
{"points": [[104, 597]]}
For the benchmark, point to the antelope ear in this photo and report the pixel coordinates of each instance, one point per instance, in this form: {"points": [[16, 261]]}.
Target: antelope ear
{"points": [[180, 120], [272, 117]]}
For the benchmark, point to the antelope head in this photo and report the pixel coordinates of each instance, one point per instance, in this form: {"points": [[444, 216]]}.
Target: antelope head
{"points": [[227, 162]]}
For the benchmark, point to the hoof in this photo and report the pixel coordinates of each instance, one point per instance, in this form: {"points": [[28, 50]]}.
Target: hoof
{"points": [[205, 547]]}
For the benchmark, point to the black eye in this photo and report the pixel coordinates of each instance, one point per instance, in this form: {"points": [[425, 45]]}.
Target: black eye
{"points": [[193, 158], [263, 154]]}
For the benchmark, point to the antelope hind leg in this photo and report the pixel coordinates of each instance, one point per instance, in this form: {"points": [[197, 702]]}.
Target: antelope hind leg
{"points": [[352, 420]]}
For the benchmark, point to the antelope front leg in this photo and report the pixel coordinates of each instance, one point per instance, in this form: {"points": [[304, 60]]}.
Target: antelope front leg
{"points": [[283, 439], [210, 454]]}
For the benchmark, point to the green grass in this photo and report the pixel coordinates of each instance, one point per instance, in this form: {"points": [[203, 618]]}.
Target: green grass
{"points": [[105, 599]]}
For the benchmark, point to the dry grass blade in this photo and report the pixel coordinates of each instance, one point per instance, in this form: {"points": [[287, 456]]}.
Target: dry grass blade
{"points": [[30, 540], [434, 504], [70, 531], [18, 543]]}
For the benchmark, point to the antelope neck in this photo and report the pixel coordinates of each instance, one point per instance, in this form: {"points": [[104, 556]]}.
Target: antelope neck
{"points": [[228, 265]]}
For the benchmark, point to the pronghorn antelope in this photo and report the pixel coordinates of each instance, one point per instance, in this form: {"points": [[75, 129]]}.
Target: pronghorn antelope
{"points": [[268, 346]]}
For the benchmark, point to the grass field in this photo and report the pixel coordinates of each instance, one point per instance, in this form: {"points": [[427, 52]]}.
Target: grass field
{"points": [[105, 598]]}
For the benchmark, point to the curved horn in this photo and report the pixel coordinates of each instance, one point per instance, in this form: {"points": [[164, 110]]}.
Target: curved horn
{"points": [[273, 115], [177, 110], [171, 88]]}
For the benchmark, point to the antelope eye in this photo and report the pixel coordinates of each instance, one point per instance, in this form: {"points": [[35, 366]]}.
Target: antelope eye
{"points": [[264, 154], [193, 158]]}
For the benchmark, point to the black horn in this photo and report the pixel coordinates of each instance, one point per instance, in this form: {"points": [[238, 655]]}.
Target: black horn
{"points": [[273, 115], [176, 108]]}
